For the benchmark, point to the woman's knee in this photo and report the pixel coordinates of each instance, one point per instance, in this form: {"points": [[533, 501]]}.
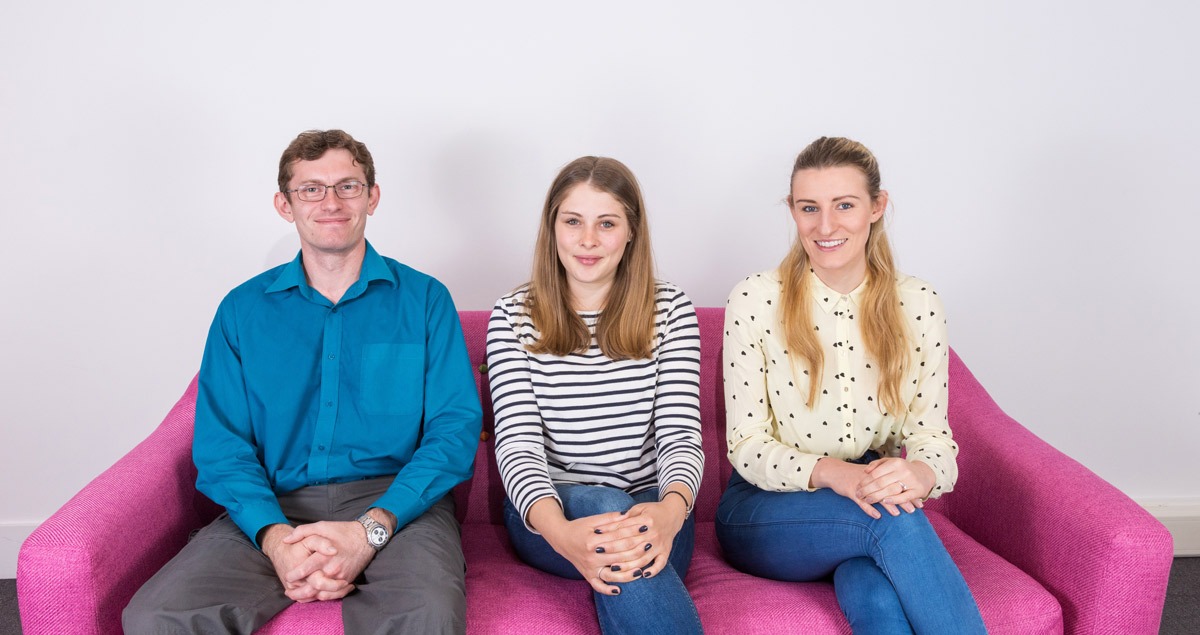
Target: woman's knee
{"points": [[589, 500], [906, 528]]}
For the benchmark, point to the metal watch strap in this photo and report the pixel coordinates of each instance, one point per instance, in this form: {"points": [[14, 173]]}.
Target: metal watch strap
{"points": [[377, 533]]}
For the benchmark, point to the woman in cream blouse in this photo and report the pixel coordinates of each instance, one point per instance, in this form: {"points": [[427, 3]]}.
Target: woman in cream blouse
{"points": [[833, 363]]}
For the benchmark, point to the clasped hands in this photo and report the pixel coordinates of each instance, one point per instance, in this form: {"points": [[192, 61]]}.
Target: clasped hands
{"points": [[318, 561], [618, 547], [896, 483]]}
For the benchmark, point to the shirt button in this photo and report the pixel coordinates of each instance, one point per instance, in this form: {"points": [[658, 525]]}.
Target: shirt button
{"points": [[331, 356], [846, 389], [322, 448], [333, 310], [328, 404], [847, 424]]}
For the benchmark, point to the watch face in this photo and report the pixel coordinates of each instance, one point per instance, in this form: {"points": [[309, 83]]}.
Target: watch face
{"points": [[377, 536]]}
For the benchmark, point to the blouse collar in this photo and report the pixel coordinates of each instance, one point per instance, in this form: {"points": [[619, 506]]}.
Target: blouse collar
{"points": [[828, 299]]}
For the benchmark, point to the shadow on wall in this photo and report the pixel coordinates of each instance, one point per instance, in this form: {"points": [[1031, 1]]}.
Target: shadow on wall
{"points": [[283, 250]]}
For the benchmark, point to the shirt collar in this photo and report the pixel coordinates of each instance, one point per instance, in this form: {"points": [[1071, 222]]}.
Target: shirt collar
{"points": [[373, 268], [828, 299]]}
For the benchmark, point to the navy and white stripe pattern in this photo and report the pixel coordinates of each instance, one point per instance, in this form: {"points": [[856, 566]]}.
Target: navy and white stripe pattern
{"points": [[584, 418]]}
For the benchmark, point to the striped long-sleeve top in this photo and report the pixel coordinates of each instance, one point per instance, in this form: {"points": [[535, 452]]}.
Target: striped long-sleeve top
{"points": [[585, 418]]}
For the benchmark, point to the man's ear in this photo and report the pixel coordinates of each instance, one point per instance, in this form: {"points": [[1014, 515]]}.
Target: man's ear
{"points": [[372, 199], [284, 207]]}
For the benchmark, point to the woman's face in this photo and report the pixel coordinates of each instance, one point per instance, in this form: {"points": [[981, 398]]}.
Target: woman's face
{"points": [[833, 212], [591, 231]]}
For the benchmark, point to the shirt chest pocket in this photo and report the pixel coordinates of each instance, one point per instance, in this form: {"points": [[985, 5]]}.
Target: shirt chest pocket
{"points": [[393, 379]]}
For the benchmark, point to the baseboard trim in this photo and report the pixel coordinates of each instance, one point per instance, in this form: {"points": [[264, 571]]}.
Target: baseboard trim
{"points": [[12, 536], [1182, 519]]}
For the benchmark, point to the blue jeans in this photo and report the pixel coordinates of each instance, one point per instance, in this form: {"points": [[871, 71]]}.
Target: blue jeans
{"points": [[891, 575], [659, 604]]}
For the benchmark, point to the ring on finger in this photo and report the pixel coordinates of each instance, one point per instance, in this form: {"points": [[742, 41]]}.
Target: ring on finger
{"points": [[903, 487], [600, 571]]}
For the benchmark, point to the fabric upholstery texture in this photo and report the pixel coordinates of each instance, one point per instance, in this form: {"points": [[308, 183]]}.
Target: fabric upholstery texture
{"points": [[1045, 545]]}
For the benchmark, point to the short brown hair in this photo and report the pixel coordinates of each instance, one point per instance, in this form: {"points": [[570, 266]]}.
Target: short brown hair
{"points": [[313, 144]]}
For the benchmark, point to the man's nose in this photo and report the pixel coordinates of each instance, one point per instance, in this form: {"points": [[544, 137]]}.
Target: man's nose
{"points": [[331, 200]]}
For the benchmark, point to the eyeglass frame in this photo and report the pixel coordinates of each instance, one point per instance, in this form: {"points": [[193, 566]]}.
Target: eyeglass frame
{"points": [[325, 192]]}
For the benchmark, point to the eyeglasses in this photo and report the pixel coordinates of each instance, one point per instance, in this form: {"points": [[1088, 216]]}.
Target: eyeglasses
{"points": [[314, 192]]}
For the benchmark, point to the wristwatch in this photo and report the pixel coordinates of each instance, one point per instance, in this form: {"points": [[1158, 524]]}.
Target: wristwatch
{"points": [[377, 534]]}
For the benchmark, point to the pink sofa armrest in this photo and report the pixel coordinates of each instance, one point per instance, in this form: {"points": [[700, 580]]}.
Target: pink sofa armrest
{"points": [[1103, 556], [77, 571]]}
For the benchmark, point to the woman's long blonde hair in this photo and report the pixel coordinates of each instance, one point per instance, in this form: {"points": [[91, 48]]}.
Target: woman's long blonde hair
{"points": [[625, 329], [882, 323]]}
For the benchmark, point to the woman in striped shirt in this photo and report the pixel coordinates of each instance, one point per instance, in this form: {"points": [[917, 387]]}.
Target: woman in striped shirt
{"points": [[595, 375]]}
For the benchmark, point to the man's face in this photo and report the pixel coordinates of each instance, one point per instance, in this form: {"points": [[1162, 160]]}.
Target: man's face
{"points": [[333, 225]]}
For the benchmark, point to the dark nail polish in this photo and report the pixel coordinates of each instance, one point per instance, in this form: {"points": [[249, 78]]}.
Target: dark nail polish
{"points": [[648, 545], [597, 531], [648, 573], [599, 549], [616, 591], [637, 573], [643, 529], [615, 567]]}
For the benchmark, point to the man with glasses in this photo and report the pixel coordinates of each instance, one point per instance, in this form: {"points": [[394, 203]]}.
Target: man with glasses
{"points": [[336, 410]]}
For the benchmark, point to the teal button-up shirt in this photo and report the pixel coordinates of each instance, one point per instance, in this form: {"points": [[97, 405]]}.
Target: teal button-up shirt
{"points": [[297, 391]]}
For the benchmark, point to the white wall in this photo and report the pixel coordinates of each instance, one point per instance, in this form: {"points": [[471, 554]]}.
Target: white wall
{"points": [[1041, 158]]}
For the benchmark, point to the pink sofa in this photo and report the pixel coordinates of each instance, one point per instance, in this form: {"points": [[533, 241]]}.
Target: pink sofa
{"points": [[1045, 545]]}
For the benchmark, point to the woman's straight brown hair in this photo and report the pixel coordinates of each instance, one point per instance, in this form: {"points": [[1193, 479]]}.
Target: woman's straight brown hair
{"points": [[625, 329]]}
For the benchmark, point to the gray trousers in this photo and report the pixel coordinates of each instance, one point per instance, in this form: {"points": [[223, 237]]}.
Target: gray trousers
{"points": [[221, 583]]}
